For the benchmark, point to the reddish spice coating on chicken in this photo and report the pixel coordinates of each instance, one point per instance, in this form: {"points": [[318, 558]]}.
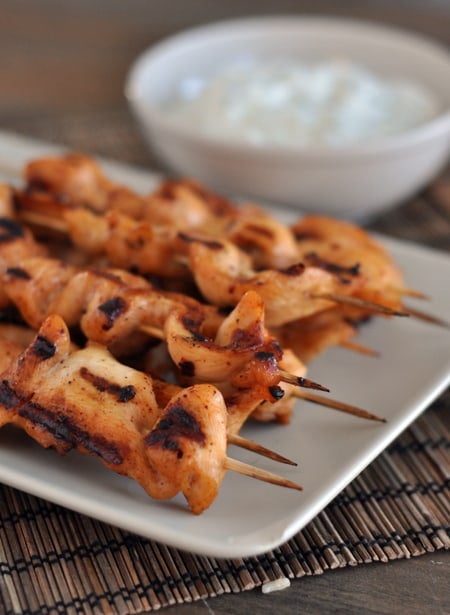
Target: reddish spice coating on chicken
{"points": [[85, 400]]}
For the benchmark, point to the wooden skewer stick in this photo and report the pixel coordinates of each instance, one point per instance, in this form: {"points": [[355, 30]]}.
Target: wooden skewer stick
{"points": [[284, 376], [55, 224], [338, 405], [410, 292], [427, 317], [60, 226], [360, 303], [250, 445], [359, 348], [301, 382], [268, 477]]}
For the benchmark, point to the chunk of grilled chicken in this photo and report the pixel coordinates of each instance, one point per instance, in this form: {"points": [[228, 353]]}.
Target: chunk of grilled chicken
{"points": [[87, 401], [16, 241], [77, 179], [224, 273], [184, 203], [112, 306], [186, 449], [44, 286], [351, 254], [83, 399], [269, 243]]}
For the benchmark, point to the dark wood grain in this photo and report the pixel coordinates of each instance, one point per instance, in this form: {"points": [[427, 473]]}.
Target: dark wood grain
{"points": [[419, 585]]}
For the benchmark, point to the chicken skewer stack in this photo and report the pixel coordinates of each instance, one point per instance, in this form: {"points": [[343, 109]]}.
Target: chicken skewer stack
{"points": [[26, 396], [260, 280], [85, 400], [109, 313]]}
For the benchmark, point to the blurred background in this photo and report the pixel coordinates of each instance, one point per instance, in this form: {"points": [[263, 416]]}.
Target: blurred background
{"points": [[63, 63]]}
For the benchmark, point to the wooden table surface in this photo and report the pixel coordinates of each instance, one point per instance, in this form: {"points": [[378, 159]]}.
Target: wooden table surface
{"points": [[60, 59]]}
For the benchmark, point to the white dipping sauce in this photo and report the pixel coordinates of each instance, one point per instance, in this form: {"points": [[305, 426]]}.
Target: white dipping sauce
{"points": [[289, 104]]}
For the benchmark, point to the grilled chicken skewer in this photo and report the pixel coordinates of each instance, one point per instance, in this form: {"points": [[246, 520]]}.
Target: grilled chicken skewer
{"points": [[42, 279], [85, 400], [19, 272], [16, 241], [75, 180], [349, 252], [15, 338], [165, 391], [40, 286], [112, 309], [113, 306], [222, 271], [71, 181], [63, 186], [17, 244]]}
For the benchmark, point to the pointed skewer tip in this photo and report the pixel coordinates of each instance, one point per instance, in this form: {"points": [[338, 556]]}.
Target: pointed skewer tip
{"points": [[425, 317], [255, 447], [339, 405], [300, 381], [253, 472], [360, 303], [310, 384], [360, 348]]}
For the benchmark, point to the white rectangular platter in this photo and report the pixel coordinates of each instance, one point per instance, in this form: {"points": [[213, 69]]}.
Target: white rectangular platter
{"points": [[251, 517]]}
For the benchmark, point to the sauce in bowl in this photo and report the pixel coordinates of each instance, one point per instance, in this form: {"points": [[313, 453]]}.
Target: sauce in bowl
{"points": [[287, 103]]}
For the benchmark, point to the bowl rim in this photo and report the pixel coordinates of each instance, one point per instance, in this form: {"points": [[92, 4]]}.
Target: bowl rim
{"points": [[148, 112]]}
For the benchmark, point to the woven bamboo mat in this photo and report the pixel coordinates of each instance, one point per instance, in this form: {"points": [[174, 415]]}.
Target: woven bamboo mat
{"points": [[53, 560]]}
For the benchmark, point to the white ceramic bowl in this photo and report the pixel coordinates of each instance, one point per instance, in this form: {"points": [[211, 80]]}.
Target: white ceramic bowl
{"points": [[348, 181]]}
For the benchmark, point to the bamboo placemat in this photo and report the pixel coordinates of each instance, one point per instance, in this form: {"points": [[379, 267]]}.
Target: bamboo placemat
{"points": [[53, 560]]}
